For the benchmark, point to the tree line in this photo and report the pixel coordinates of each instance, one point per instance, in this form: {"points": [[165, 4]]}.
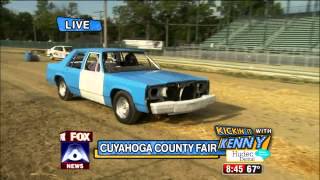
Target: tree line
{"points": [[180, 22]]}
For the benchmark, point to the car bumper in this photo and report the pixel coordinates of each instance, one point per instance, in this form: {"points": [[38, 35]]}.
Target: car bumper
{"points": [[179, 107]]}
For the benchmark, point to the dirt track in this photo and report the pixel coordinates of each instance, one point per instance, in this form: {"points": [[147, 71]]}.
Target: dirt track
{"points": [[32, 116]]}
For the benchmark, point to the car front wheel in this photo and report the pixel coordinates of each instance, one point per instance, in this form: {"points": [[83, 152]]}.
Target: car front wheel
{"points": [[63, 90], [124, 108]]}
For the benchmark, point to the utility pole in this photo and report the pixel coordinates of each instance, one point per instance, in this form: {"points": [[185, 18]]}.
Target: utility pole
{"points": [[67, 37], [250, 17], [100, 18], [119, 25], [105, 32], [197, 23], [313, 24], [34, 30], [67, 33], [308, 6], [229, 11], [266, 16], [167, 32]]}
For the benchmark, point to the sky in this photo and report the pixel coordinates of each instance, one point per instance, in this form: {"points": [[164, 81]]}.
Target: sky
{"points": [[90, 7], [84, 7]]}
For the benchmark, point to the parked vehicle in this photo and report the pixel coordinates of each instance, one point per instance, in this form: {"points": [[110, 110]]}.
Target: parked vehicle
{"points": [[129, 81], [59, 52]]}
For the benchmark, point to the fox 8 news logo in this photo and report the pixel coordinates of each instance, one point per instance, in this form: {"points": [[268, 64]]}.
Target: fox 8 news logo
{"points": [[75, 149]]}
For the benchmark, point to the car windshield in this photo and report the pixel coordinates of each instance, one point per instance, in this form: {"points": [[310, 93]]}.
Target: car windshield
{"points": [[127, 61], [68, 49]]}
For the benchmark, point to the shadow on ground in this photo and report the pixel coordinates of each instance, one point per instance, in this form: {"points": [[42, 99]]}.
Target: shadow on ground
{"points": [[219, 111]]}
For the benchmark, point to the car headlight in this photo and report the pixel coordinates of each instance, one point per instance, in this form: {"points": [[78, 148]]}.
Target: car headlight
{"points": [[163, 91], [202, 87], [153, 93], [157, 92]]}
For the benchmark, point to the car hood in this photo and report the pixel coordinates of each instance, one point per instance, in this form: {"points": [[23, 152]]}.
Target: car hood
{"points": [[156, 77]]}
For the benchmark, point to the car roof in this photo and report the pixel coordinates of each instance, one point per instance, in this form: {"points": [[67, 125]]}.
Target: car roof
{"points": [[110, 49]]}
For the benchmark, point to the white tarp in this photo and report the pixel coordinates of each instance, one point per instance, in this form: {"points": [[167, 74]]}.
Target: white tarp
{"points": [[144, 44]]}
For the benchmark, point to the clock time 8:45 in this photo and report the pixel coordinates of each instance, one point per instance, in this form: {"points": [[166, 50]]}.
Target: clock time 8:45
{"points": [[242, 168]]}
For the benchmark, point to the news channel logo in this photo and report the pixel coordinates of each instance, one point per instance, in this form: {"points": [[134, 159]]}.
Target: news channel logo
{"points": [[75, 149]]}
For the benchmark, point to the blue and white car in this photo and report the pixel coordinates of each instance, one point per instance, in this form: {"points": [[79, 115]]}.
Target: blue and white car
{"points": [[129, 81]]}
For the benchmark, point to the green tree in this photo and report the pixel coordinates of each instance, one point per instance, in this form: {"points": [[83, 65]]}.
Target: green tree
{"points": [[54, 13], [42, 20], [148, 19], [15, 26], [122, 21], [167, 12], [140, 13], [256, 8], [194, 12], [71, 11], [3, 2], [6, 21], [24, 26]]}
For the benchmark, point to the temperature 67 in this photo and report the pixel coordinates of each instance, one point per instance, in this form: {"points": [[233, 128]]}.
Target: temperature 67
{"points": [[253, 168]]}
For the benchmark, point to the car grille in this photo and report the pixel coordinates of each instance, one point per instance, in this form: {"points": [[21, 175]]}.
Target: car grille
{"points": [[188, 92], [184, 91]]}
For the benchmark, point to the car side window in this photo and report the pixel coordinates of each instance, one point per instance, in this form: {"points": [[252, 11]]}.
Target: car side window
{"points": [[77, 60], [58, 49], [107, 61], [92, 63]]}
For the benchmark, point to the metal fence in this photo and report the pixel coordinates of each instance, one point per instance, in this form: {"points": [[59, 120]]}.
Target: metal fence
{"points": [[194, 52], [246, 56]]}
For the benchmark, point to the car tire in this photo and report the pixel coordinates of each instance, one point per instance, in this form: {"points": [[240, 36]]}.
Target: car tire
{"points": [[51, 57], [124, 108], [63, 90]]}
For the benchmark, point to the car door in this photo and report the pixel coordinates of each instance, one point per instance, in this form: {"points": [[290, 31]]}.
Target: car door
{"points": [[91, 78], [64, 52], [58, 50], [51, 51], [73, 69]]}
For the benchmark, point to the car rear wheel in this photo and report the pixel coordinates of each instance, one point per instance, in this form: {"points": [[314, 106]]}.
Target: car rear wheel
{"points": [[63, 90], [51, 57], [124, 108]]}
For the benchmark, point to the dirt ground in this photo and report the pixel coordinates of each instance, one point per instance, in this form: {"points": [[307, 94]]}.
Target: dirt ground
{"points": [[32, 116]]}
